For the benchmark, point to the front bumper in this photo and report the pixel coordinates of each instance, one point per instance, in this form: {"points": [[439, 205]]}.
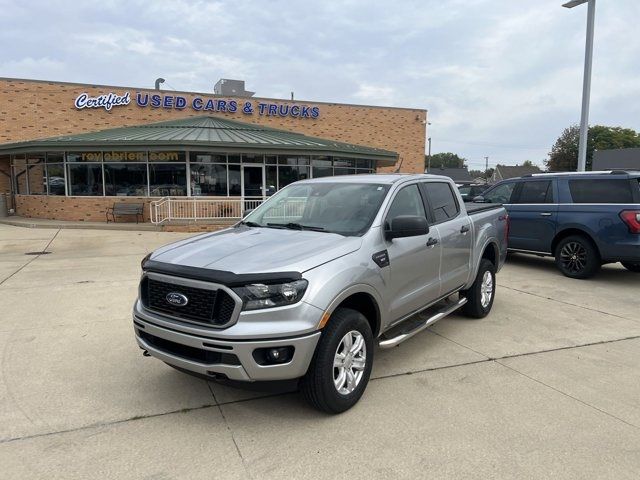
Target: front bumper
{"points": [[215, 357]]}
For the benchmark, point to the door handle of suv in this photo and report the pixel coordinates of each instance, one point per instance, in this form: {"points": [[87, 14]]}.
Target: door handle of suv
{"points": [[464, 229], [545, 214], [432, 242]]}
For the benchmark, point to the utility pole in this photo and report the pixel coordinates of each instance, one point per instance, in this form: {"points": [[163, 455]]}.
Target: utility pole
{"points": [[586, 82], [429, 156], [486, 169]]}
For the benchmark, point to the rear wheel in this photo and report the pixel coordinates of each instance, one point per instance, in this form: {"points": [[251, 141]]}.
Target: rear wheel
{"points": [[481, 294], [577, 257], [632, 266], [341, 365]]}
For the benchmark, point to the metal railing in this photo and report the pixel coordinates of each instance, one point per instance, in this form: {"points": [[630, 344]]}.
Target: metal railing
{"points": [[194, 208]]}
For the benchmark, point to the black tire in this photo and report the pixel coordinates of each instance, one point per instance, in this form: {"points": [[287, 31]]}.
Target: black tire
{"points": [[632, 266], [474, 307], [577, 257], [317, 385]]}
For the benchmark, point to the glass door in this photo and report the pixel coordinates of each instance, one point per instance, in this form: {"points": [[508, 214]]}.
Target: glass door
{"points": [[252, 186]]}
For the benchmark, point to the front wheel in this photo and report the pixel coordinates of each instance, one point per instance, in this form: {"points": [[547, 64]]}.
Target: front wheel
{"points": [[632, 266], [341, 365], [481, 294]]}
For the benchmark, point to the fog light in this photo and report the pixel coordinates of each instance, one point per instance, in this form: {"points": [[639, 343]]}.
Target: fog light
{"points": [[273, 356]]}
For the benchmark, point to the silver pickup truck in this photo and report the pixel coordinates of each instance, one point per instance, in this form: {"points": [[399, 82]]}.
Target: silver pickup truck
{"points": [[308, 283]]}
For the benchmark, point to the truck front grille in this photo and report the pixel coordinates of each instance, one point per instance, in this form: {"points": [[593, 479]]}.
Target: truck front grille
{"points": [[203, 305]]}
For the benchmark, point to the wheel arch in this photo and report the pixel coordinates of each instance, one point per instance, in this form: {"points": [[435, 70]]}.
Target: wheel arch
{"points": [[570, 231], [363, 299]]}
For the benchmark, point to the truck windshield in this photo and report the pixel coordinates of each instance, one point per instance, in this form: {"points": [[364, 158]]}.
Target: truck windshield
{"points": [[344, 208]]}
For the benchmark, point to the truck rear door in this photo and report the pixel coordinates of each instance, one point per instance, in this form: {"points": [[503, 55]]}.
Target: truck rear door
{"points": [[454, 230], [534, 215]]}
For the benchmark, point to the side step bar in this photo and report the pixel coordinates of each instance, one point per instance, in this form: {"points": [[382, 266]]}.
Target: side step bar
{"points": [[410, 327]]}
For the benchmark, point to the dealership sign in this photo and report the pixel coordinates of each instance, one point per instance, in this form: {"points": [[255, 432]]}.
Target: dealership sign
{"points": [[197, 103]]}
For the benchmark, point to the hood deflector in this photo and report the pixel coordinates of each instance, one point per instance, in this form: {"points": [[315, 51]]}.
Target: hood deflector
{"points": [[222, 277]]}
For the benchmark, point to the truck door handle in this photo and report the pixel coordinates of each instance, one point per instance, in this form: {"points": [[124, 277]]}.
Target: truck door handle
{"points": [[432, 242], [545, 214], [464, 229]]}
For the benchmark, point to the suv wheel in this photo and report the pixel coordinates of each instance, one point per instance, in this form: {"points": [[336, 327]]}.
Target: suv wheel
{"points": [[632, 266], [341, 365], [481, 294], [577, 257]]}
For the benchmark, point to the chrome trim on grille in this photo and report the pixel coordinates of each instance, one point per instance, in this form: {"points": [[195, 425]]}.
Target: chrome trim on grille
{"points": [[187, 282]]}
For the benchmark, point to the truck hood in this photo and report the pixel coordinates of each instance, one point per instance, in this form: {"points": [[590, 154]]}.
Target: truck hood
{"points": [[258, 250]]}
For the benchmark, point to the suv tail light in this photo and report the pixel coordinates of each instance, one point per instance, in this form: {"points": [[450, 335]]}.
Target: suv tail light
{"points": [[632, 219]]}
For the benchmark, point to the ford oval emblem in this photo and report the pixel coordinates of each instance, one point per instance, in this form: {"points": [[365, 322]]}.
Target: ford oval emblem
{"points": [[176, 299]]}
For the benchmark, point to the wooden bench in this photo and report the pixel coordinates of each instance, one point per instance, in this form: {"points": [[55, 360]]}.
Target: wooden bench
{"points": [[119, 209]]}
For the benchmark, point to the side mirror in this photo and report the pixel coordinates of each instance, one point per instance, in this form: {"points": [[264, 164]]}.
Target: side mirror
{"points": [[247, 212], [407, 226], [479, 199]]}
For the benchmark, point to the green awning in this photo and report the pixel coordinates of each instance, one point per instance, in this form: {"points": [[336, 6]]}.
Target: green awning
{"points": [[206, 133]]}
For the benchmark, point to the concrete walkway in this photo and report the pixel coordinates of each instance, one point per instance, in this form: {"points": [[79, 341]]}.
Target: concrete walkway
{"points": [[546, 387]]}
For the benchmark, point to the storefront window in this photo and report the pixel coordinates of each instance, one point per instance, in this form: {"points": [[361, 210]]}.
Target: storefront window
{"points": [[271, 174], [85, 179], [204, 157], [84, 157], [127, 156], [290, 174], [235, 185], [344, 162], [167, 156], [125, 179], [55, 178], [344, 171], [322, 166], [234, 158], [251, 158], [168, 179], [208, 180], [271, 159]]}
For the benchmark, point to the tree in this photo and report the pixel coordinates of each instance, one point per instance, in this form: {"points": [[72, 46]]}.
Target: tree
{"points": [[445, 160], [564, 153], [528, 163]]}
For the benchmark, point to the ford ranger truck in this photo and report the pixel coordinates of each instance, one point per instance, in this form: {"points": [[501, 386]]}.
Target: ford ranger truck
{"points": [[308, 284]]}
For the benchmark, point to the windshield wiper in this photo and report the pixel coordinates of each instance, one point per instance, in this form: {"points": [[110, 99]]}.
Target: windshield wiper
{"points": [[296, 226], [250, 224]]}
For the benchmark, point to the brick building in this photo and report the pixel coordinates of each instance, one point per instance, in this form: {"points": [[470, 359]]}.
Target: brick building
{"points": [[68, 151]]}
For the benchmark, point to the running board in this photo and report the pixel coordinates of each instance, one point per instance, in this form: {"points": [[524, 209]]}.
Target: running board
{"points": [[416, 324]]}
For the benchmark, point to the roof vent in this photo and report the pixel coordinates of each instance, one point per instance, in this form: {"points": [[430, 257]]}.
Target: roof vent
{"points": [[231, 88]]}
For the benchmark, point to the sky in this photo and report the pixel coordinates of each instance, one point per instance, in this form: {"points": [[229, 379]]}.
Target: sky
{"points": [[499, 78]]}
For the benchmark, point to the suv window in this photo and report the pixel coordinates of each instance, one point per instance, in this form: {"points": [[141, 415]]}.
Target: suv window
{"points": [[598, 190], [500, 194], [442, 201], [536, 192], [407, 202]]}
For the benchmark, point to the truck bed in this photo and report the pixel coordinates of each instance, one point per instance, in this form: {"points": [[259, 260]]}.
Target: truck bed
{"points": [[473, 208]]}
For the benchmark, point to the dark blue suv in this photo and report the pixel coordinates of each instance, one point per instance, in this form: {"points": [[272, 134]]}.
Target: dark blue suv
{"points": [[584, 220]]}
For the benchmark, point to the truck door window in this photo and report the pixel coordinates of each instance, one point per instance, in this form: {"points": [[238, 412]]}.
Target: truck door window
{"points": [[443, 202], [500, 194], [407, 202], [535, 192]]}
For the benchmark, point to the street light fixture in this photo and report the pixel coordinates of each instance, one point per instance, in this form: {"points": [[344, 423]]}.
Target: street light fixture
{"points": [[586, 85]]}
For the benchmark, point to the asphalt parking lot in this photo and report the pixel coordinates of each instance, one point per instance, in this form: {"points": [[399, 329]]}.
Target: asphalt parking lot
{"points": [[547, 386]]}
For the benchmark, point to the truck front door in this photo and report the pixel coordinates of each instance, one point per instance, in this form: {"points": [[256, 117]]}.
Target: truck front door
{"points": [[414, 265]]}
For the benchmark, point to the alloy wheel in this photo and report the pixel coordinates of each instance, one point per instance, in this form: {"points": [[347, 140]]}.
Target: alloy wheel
{"points": [[349, 362], [486, 289], [573, 257]]}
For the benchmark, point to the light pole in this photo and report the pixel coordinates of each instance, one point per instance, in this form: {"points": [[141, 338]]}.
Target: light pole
{"points": [[429, 156], [586, 85]]}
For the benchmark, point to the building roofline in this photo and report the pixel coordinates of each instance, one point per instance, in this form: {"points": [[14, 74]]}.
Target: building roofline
{"points": [[99, 85]]}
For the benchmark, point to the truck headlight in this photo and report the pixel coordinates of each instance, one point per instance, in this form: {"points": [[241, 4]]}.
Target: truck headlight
{"points": [[259, 295]]}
